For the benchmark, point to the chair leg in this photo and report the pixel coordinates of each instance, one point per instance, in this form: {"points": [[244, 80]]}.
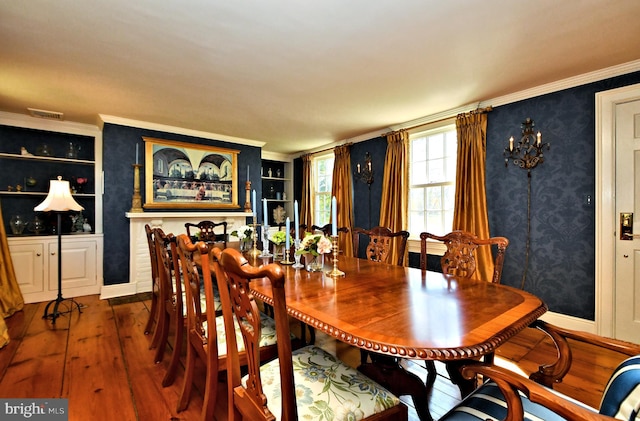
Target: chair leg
{"points": [[210, 394], [160, 320], [185, 394], [431, 372], [152, 314], [164, 335], [170, 375]]}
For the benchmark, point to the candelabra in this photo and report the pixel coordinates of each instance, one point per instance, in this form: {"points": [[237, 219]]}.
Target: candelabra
{"points": [[364, 173], [335, 272], [526, 154]]}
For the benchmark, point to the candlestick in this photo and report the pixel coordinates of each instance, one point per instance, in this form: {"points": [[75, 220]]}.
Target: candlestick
{"points": [[247, 203], [296, 222], [136, 200], [334, 218], [335, 272], [297, 244], [254, 252]]}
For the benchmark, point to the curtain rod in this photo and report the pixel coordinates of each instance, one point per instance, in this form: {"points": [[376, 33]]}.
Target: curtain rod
{"points": [[327, 149], [476, 111]]}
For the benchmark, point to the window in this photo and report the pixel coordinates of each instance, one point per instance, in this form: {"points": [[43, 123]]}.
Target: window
{"points": [[432, 180], [322, 178]]}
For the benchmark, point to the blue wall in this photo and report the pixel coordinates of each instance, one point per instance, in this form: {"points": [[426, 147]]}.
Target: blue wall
{"points": [[118, 156]]}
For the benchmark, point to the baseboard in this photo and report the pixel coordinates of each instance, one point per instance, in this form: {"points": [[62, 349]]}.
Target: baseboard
{"points": [[569, 322], [117, 290]]}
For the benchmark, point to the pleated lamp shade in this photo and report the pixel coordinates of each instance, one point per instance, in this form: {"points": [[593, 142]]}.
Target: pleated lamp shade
{"points": [[59, 198]]}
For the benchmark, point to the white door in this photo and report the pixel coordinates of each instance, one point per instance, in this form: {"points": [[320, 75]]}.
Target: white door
{"points": [[627, 175]]}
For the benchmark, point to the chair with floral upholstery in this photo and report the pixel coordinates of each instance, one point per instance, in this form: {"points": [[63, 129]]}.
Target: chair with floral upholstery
{"points": [[207, 341], [308, 383], [508, 395]]}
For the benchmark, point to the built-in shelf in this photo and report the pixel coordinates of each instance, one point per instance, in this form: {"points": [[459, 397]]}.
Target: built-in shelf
{"points": [[39, 193], [45, 158]]}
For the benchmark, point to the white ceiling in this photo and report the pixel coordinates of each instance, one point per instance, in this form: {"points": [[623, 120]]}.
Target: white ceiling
{"points": [[297, 74]]}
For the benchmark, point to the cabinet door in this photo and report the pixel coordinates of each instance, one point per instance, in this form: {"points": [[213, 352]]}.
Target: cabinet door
{"points": [[78, 264], [28, 262]]}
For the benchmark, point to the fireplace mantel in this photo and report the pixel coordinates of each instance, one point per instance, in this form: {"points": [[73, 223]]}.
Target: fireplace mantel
{"points": [[170, 222]]}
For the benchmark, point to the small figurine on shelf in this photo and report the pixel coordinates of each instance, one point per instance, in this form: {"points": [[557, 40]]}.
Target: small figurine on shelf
{"points": [[78, 221], [270, 173], [25, 152], [86, 227]]}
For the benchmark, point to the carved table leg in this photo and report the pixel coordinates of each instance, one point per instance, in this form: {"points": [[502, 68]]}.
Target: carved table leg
{"points": [[388, 373]]}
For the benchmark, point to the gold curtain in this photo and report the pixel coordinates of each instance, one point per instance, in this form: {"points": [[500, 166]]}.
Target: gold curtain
{"points": [[395, 189], [470, 208], [10, 296], [306, 205], [342, 190]]}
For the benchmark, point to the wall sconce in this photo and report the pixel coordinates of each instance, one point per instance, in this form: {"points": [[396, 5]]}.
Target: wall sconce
{"points": [[364, 173], [526, 154]]}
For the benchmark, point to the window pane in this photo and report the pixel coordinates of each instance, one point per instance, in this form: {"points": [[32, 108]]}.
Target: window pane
{"points": [[416, 199]]}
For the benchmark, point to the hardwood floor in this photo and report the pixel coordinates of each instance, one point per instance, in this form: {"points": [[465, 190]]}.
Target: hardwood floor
{"points": [[100, 360]]}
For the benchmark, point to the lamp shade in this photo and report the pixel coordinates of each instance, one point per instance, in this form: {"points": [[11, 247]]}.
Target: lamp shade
{"points": [[59, 198]]}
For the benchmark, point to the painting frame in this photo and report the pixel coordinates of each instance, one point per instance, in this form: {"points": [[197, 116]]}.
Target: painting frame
{"points": [[180, 175]]}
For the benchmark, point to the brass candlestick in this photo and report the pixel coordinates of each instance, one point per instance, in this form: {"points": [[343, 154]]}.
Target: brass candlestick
{"points": [[136, 200], [335, 272], [247, 203], [254, 252], [286, 260]]}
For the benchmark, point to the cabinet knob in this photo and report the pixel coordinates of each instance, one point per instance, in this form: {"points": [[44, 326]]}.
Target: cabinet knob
{"points": [[38, 254], [53, 253]]}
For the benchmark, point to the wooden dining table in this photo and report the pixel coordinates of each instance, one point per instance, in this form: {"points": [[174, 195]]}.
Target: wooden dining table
{"points": [[405, 312]]}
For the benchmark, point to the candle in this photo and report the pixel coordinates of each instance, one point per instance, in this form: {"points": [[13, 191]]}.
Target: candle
{"points": [[539, 138], [511, 143], [253, 204], [287, 226], [265, 219], [247, 173], [296, 223], [358, 167], [136, 154], [334, 217]]}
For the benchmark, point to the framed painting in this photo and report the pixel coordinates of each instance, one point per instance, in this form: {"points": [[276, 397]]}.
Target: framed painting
{"points": [[187, 175]]}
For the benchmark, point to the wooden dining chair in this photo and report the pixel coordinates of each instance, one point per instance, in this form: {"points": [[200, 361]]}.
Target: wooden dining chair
{"points": [[305, 383], [508, 395], [206, 339], [381, 241], [208, 233], [152, 322], [459, 260], [170, 303]]}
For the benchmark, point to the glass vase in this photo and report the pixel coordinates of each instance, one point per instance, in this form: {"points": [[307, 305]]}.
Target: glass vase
{"points": [[18, 224], [314, 263]]}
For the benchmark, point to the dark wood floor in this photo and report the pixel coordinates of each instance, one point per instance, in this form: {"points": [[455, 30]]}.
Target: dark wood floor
{"points": [[100, 360]]}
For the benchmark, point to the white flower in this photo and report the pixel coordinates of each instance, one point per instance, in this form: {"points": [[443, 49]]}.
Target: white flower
{"points": [[243, 232]]}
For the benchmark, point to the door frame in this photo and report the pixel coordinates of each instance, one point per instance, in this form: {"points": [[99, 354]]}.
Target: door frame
{"points": [[605, 205]]}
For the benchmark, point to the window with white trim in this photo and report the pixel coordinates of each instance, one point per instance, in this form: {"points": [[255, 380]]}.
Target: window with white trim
{"points": [[322, 177], [432, 180]]}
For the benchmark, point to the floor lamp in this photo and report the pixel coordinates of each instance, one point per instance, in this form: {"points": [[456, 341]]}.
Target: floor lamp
{"points": [[59, 200]]}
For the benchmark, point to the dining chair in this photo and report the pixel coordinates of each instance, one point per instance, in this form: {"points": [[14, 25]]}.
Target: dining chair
{"points": [[508, 395], [170, 302], [326, 229], [459, 260], [152, 322], [207, 231], [381, 241], [206, 341], [306, 383]]}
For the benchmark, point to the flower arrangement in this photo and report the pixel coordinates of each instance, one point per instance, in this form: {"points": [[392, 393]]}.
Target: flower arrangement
{"points": [[244, 233], [315, 244], [278, 237]]}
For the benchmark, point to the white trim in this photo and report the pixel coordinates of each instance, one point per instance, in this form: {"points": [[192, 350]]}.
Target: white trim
{"points": [[103, 118], [117, 290], [605, 204], [19, 120], [569, 322]]}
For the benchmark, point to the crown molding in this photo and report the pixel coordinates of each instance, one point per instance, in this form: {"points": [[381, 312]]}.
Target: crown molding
{"points": [[29, 122], [571, 82], [103, 118]]}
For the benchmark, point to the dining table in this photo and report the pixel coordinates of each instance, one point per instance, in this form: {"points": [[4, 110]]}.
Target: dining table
{"points": [[402, 312]]}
